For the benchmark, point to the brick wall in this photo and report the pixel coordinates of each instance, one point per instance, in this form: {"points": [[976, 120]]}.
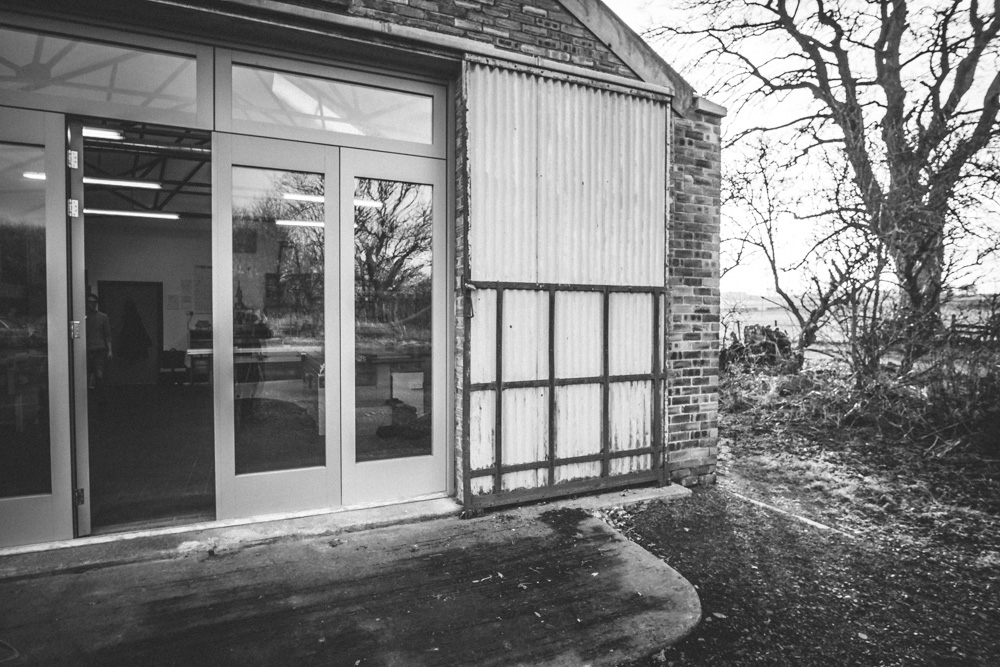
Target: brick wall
{"points": [[537, 28], [461, 348], [693, 338]]}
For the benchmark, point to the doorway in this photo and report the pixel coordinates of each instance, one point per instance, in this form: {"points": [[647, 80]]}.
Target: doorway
{"points": [[147, 442]]}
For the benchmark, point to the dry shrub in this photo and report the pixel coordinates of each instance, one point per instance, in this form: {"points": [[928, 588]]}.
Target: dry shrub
{"points": [[949, 401]]}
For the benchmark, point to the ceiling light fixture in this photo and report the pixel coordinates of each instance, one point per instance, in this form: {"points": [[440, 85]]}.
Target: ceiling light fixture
{"points": [[299, 223], [101, 133], [34, 175], [368, 203], [132, 214], [294, 196], [145, 185]]}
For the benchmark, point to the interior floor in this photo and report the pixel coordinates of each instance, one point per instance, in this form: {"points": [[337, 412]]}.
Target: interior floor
{"points": [[152, 455]]}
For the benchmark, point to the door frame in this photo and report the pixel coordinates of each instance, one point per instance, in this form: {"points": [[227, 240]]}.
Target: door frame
{"points": [[48, 517], [284, 491]]}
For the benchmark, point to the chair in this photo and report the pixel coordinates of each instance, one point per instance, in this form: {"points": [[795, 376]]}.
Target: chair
{"points": [[172, 367]]}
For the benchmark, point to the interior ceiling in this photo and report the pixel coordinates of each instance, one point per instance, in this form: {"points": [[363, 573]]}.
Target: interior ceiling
{"points": [[178, 160]]}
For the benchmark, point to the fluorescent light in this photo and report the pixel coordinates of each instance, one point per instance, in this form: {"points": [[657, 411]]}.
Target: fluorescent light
{"points": [[367, 203], [299, 223], [34, 175], [132, 214], [101, 133], [147, 185], [316, 199]]}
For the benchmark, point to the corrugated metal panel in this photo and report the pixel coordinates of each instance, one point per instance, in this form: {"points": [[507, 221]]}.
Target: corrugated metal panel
{"points": [[503, 146], [567, 187], [568, 182], [483, 336], [482, 428], [601, 187], [525, 436], [630, 341], [578, 429], [525, 335], [631, 410], [579, 323]]}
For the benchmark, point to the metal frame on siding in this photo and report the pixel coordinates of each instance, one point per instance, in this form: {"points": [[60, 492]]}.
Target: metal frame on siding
{"points": [[656, 377]]}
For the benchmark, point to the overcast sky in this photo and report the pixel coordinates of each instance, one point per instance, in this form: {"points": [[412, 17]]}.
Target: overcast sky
{"points": [[754, 277]]}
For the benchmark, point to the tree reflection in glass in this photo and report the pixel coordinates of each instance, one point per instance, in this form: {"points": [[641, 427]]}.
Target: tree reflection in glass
{"points": [[278, 324], [24, 362], [392, 305]]}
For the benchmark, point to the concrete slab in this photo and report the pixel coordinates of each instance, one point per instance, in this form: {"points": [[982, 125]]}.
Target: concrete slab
{"points": [[539, 585]]}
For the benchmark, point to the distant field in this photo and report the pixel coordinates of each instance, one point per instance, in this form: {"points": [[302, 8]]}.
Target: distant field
{"points": [[736, 319]]}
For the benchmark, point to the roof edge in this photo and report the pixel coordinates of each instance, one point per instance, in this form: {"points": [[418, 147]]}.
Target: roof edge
{"points": [[708, 106], [632, 49]]}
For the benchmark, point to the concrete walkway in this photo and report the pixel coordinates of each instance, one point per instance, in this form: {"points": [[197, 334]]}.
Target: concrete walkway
{"points": [[543, 585]]}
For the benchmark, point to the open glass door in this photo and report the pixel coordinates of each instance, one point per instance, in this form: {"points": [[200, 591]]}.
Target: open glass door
{"points": [[394, 308], [35, 458], [277, 416]]}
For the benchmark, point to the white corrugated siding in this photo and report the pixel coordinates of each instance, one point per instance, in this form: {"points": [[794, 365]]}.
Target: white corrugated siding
{"points": [[525, 335], [579, 322], [525, 436], [630, 339], [503, 147], [567, 182], [482, 336], [631, 408], [578, 429], [566, 186]]}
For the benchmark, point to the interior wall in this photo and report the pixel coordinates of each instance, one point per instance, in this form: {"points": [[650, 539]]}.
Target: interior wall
{"points": [[139, 251]]}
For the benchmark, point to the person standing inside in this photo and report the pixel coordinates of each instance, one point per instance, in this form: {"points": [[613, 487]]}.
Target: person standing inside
{"points": [[98, 342]]}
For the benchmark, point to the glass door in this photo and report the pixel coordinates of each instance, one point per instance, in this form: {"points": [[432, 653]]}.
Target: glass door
{"points": [[277, 413], [35, 458], [394, 317]]}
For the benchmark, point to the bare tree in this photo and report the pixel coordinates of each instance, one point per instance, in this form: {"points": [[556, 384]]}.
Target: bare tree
{"points": [[904, 95], [392, 240], [828, 271]]}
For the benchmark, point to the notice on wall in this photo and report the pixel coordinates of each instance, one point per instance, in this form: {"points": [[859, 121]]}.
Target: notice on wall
{"points": [[203, 289]]}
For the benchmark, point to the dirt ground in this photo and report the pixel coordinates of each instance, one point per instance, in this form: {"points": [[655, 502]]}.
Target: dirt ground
{"points": [[904, 571]]}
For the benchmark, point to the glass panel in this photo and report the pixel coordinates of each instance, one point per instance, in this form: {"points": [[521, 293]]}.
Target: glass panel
{"points": [[392, 306], [149, 326], [293, 100], [60, 67], [278, 327], [25, 457]]}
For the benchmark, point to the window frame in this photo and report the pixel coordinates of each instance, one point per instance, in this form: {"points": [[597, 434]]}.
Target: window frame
{"points": [[204, 72], [224, 122]]}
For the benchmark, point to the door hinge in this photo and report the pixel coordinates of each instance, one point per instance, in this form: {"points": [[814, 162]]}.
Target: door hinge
{"points": [[78, 497], [74, 329], [73, 208], [72, 159]]}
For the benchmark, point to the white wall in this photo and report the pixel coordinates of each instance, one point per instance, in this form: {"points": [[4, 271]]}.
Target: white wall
{"points": [[157, 252]]}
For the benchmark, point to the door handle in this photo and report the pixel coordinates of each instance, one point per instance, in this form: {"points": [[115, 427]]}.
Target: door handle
{"points": [[74, 329]]}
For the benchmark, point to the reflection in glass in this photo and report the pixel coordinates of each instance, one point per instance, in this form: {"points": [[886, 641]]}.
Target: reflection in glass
{"points": [[293, 100], [60, 67], [278, 327], [392, 305], [24, 386]]}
